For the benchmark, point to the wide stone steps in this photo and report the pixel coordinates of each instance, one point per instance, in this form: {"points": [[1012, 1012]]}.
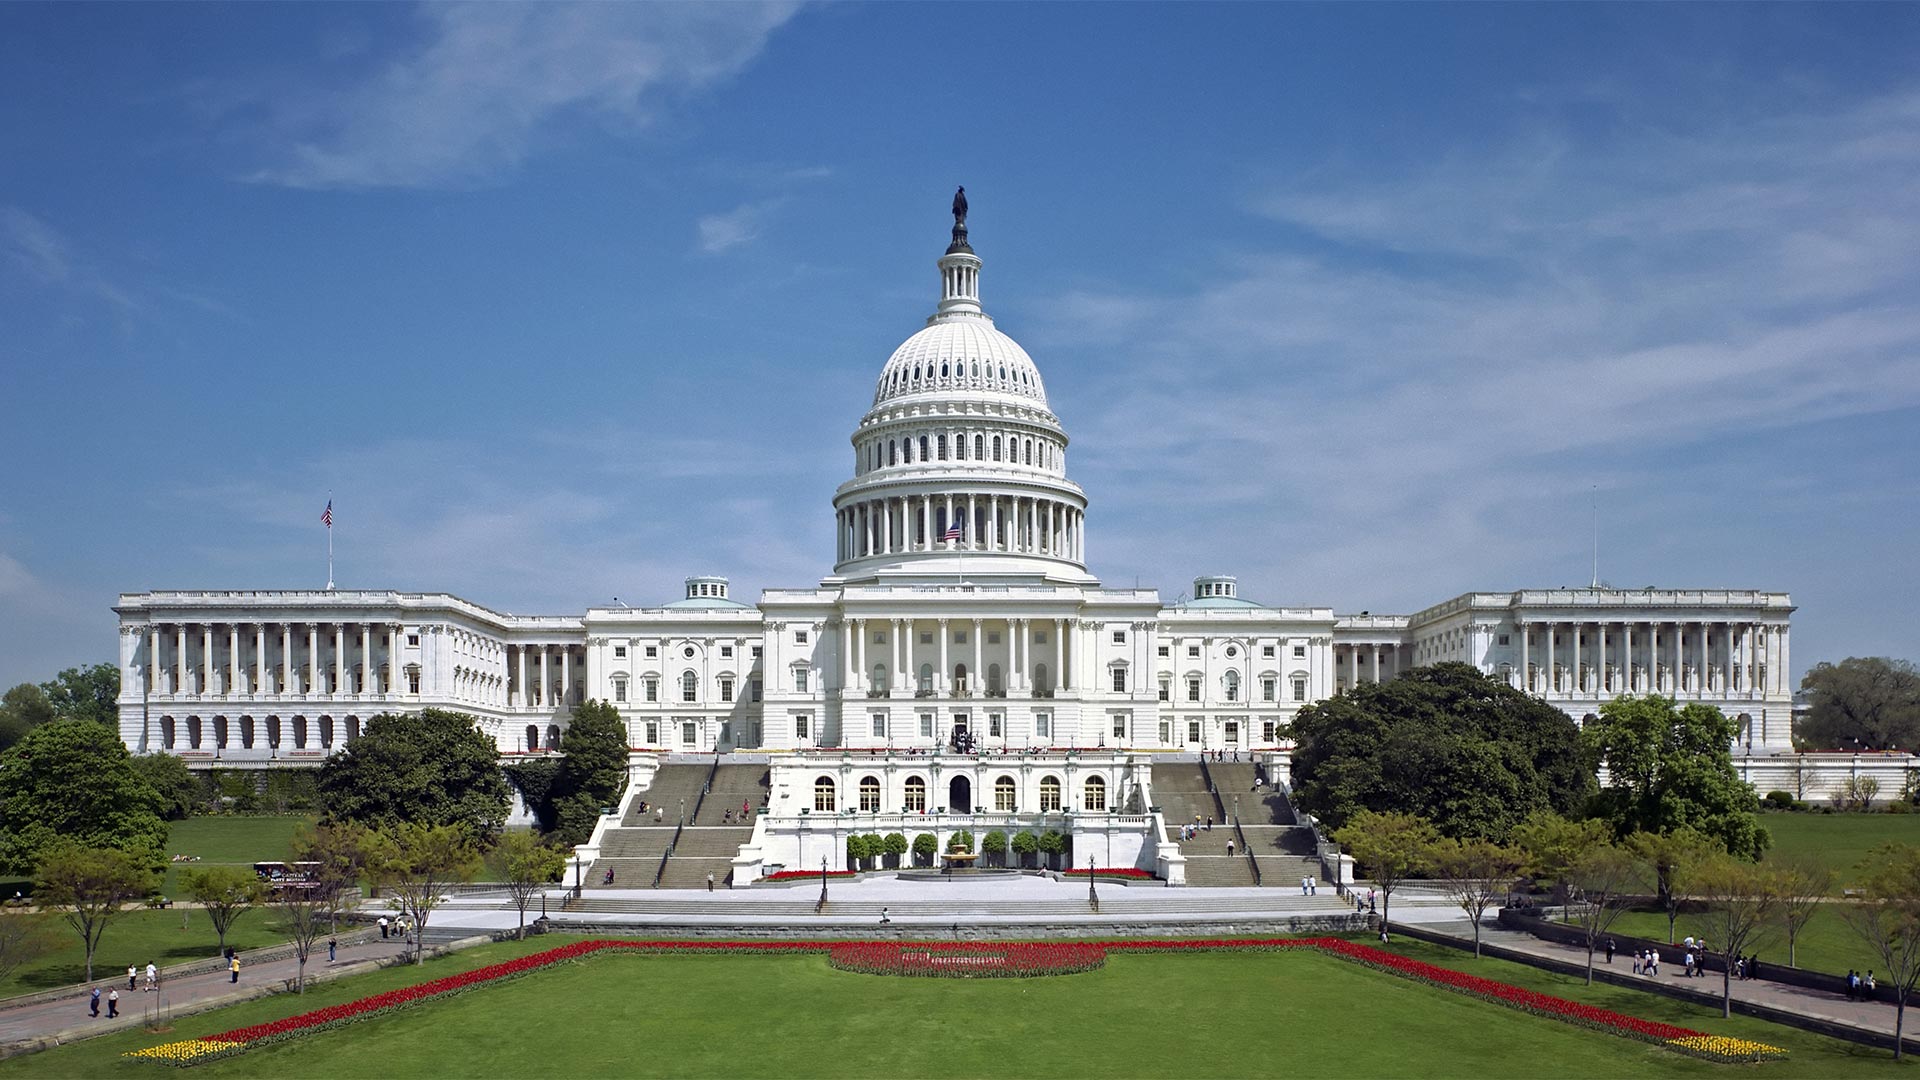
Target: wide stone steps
{"points": [[1115, 900], [635, 843], [733, 785], [691, 873], [717, 842], [672, 786]]}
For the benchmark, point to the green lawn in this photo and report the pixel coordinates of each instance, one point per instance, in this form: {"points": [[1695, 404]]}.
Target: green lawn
{"points": [[1202, 1014], [240, 840], [1838, 840], [136, 938]]}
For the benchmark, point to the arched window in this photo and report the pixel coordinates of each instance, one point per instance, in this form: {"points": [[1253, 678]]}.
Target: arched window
{"points": [[941, 447], [1004, 798], [960, 447], [993, 680], [1040, 683], [246, 732], [976, 369], [979, 444], [193, 732], [326, 731], [533, 737], [959, 678], [916, 795], [166, 732], [1096, 793], [906, 451], [553, 736], [220, 732], [926, 678], [996, 448], [300, 732], [893, 449], [879, 677], [823, 795], [1230, 683], [689, 686], [1029, 451], [870, 794], [923, 448], [1049, 794]]}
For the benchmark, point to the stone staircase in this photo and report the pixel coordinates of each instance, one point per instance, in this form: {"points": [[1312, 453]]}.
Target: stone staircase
{"points": [[703, 851], [1181, 792], [733, 786], [633, 850], [1283, 850]]}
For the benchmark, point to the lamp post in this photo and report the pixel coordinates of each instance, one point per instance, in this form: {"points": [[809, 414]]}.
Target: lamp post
{"points": [[576, 873], [1092, 897], [823, 881]]}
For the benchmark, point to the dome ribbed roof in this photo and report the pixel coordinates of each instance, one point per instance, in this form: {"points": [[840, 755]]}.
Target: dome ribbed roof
{"points": [[961, 353]]}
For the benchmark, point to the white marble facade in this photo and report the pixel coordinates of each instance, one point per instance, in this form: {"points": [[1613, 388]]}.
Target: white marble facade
{"points": [[959, 609]]}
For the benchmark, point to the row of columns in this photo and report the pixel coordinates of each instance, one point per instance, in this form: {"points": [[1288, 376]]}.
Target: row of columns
{"points": [[1377, 662], [194, 733], [996, 448], [1717, 658], [185, 673], [1019, 524], [552, 669], [902, 671]]}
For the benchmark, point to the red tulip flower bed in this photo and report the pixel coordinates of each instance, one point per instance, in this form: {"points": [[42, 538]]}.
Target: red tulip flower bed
{"points": [[796, 875], [1011, 959], [959, 960]]}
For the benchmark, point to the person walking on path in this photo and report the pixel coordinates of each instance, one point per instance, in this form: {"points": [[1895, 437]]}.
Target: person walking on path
{"points": [[133, 978], [233, 970], [113, 1003], [1609, 950], [1229, 848], [153, 977], [93, 1004], [383, 928], [332, 949], [709, 881]]}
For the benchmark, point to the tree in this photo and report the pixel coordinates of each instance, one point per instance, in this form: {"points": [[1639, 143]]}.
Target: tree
{"points": [[1673, 856], [1025, 844], [91, 886], [23, 940], [960, 842], [1670, 765], [1887, 918], [1741, 899], [1476, 873], [1391, 846], [537, 780], [430, 768], [339, 854], [1551, 844], [305, 914], [593, 772], [1804, 885], [994, 846], [39, 803], [860, 848], [1445, 743], [421, 861], [89, 693], [1861, 703], [1856, 793], [1053, 844], [1602, 878], [530, 865], [896, 846], [925, 847], [179, 793], [227, 892], [22, 709]]}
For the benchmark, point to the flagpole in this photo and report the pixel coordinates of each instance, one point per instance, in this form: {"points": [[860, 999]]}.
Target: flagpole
{"points": [[329, 541]]}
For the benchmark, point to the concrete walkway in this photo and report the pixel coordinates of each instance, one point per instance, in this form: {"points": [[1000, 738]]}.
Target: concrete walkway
{"points": [[1866, 1016]]}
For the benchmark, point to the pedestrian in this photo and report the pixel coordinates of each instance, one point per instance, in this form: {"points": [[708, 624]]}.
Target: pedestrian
{"points": [[1229, 848], [233, 970], [1870, 985], [1609, 950], [709, 881], [1653, 962], [333, 947], [1303, 884], [113, 1003], [383, 928], [153, 977], [1638, 958], [659, 815], [1313, 885], [1852, 980], [883, 917], [93, 1003], [133, 977], [1686, 965], [746, 810], [1209, 822]]}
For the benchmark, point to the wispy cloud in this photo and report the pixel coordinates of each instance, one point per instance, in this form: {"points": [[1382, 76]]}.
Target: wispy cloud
{"points": [[48, 256], [721, 233], [490, 82]]}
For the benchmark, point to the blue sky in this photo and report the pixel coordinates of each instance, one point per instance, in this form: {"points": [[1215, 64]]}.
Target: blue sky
{"points": [[1362, 303]]}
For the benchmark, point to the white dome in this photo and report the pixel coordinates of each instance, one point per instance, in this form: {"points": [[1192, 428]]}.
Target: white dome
{"points": [[961, 353]]}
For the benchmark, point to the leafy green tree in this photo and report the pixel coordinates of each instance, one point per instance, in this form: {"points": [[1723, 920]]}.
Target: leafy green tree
{"points": [[1053, 844], [593, 772], [1024, 845], [430, 768], [74, 780], [1550, 844], [895, 846], [91, 886], [1669, 766], [1673, 857], [227, 893], [1476, 874], [530, 864], [1603, 878], [959, 842], [339, 851], [925, 847], [420, 861], [1445, 743], [537, 780], [86, 693], [1391, 846], [859, 850], [1861, 703], [1741, 899], [167, 774], [1887, 918], [994, 846], [1805, 883], [22, 709]]}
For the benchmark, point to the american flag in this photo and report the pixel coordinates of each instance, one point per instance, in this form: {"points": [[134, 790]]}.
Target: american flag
{"points": [[326, 516], [953, 531]]}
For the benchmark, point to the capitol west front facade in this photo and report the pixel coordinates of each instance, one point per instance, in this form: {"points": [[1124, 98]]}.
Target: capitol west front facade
{"points": [[959, 615]]}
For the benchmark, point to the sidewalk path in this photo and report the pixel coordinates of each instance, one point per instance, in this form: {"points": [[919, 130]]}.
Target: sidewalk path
{"points": [[65, 1019], [1868, 1016]]}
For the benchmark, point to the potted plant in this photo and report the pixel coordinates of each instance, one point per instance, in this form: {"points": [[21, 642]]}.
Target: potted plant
{"points": [[925, 847], [895, 846]]}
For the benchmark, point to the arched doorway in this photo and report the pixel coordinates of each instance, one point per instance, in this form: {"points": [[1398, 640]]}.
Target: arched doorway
{"points": [[960, 796]]}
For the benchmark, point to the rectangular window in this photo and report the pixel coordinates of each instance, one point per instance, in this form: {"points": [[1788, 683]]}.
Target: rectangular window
{"points": [[653, 651], [413, 639], [1043, 725], [1266, 651], [993, 725], [689, 733], [1503, 639], [879, 725], [1266, 688], [756, 652], [726, 652], [926, 637], [879, 637], [619, 652], [1166, 689], [619, 689], [1165, 651], [689, 687], [1119, 637], [800, 725], [1299, 652], [926, 725], [1193, 731], [800, 680], [1119, 680], [1119, 725], [1193, 652], [959, 637], [1193, 689], [1299, 688], [757, 688], [726, 689], [993, 637], [1039, 637], [653, 733], [1266, 731], [652, 689], [1166, 733], [413, 682]]}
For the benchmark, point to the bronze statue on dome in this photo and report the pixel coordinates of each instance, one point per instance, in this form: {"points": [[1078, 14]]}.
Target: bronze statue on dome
{"points": [[960, 206]]}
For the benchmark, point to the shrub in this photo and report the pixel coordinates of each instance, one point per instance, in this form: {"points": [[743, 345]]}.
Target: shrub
{"points": [[925, 847], [960, 841], [1779, 800]]}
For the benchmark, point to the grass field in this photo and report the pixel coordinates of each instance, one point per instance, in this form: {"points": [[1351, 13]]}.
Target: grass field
{"points": [[238, 840], [163, 937], [1199, 1015], [1838, 840]]}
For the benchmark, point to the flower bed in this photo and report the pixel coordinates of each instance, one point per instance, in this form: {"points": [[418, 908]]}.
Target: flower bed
{"points": [[1113, 871], [963, 960], [958, 960], [795, 875]]}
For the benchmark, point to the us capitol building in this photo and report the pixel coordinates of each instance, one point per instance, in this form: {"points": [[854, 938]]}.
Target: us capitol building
{"points": [[959, 623]]}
